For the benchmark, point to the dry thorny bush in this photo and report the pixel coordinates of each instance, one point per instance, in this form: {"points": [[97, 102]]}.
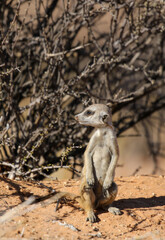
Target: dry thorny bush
{"points": [[59, 56]]}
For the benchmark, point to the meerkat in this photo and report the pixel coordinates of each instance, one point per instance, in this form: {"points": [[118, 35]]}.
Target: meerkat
{"points": [[97, 187]]}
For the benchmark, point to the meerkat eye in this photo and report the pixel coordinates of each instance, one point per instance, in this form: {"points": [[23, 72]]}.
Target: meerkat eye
{"points": [[89, 112]]}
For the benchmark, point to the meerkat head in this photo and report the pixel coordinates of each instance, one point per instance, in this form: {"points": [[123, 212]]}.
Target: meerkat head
{"points": [[96, 115]]}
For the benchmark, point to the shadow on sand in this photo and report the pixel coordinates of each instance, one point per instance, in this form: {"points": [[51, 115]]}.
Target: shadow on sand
{"points": [[131, 203]]}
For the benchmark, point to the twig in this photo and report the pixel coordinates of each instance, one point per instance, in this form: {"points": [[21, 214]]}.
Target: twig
{"points": [[48, 55], [18, 210], [48, 168], [70, 226]]}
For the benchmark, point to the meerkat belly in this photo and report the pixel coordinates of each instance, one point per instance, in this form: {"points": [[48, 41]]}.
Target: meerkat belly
{"points": [[101, 161]]}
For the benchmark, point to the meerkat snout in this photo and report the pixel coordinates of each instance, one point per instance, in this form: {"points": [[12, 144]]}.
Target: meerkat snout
{"points": [[105, 118]]}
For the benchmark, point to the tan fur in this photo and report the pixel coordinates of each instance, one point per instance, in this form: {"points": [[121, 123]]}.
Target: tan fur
{"points": [[97, 188]]}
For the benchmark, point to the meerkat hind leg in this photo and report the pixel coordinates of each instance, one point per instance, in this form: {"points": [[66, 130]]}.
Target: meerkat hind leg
{"points": [[114, 210], [88, 203], [111, 209], [107, 201]]}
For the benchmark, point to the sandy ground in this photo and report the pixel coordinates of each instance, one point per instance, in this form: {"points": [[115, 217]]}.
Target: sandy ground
{"points": [[141, 199]]}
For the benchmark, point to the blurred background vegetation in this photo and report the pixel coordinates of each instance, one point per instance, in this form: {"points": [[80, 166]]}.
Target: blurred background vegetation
{"points": [[59, 56]]}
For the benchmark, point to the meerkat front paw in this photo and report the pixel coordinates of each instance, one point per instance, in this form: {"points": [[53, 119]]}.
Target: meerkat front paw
{"points": [[107, 185], [91, 182], [91, 217]]}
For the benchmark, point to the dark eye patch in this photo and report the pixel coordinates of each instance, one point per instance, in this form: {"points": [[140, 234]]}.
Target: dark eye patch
{"points": [[88, 112]]}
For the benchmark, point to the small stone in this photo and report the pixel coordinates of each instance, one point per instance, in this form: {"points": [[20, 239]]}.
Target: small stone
{"points": [[8, 187], [99, 234], [95, 229]]}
